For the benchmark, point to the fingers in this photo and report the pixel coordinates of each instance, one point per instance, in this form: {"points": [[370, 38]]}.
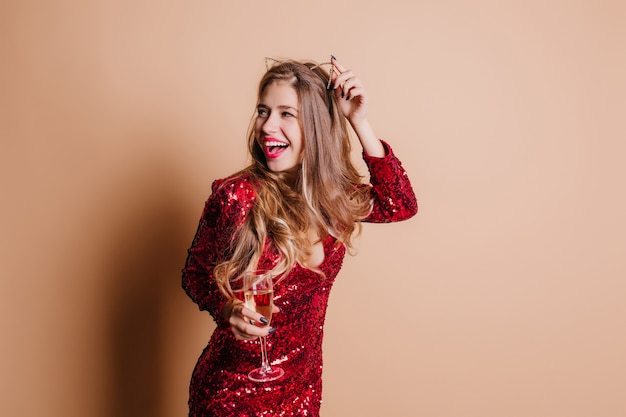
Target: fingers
{"points": [[341, 73], [340, 68], [344, 80], [244, 323], [348, 86]]}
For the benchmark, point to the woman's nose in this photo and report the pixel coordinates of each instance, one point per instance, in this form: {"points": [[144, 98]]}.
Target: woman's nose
{"points": [[270, 125]]}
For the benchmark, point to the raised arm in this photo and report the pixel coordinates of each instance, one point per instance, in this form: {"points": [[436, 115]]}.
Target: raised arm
{"points": [[353, 101], [392, 194]]}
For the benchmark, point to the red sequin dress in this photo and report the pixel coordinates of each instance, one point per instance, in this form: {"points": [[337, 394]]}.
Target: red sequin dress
{"points": [[219, 384]]}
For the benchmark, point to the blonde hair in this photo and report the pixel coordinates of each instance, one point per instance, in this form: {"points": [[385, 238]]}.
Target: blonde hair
{"points": [[328, 195]]}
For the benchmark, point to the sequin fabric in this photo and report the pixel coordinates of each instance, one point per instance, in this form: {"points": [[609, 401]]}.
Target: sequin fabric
{"points": [[219, 383]]}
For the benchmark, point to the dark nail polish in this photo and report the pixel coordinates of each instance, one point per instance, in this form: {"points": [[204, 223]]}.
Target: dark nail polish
{"points": [[263, 320], [342, 93], [333, 57], [348, 97], [332, 86], [271, 330]]}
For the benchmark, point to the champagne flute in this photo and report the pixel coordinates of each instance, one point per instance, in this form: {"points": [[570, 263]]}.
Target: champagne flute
{"points": [[259, 296]]}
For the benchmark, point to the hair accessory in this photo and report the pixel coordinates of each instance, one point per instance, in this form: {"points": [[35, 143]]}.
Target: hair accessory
{"points": [[270, 62]]}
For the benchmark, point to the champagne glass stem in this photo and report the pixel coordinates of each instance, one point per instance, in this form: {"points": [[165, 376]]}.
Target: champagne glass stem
{"points": [[265, 363]]}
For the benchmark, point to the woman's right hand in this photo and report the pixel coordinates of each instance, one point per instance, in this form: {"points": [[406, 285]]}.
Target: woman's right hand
{"points": [[244, 323]]}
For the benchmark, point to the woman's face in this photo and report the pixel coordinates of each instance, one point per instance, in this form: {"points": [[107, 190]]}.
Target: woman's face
{"points": [[277, 129]]}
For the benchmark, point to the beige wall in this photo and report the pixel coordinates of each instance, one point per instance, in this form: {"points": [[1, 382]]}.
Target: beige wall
{"points": [[505, 296]]}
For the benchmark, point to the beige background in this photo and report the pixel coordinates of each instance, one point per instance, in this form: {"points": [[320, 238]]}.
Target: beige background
{"points": [[505, 296]]}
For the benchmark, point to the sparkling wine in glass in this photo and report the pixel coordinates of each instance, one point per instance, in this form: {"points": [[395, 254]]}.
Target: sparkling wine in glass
{"points": [[259, 296]]}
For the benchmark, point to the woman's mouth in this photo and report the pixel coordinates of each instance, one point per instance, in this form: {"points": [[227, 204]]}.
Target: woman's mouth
{"points": [[273, 148]]}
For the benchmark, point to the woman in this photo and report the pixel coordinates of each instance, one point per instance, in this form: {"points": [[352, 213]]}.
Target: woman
{"points": [[294, 210]]}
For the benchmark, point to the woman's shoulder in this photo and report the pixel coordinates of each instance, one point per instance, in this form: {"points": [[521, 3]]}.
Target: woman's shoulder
{"points": [[237, 187], [231, 198], [241, 179]]}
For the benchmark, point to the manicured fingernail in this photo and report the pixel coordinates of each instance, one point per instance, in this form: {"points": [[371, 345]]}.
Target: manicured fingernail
{"points": [[263, 320], [271, 330], [332, 86], [342, 93], [333, 57], [348, 96]]}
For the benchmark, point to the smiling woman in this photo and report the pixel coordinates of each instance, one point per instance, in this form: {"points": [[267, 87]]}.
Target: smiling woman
{"points": [[277, 128], [292, 212]]}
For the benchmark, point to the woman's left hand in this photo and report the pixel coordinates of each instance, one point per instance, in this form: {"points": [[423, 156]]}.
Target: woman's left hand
{"points": [[352, 101], [350, 93]]}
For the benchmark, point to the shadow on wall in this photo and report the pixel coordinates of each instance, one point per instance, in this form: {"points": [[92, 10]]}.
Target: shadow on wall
{"points": [[147, 252]]}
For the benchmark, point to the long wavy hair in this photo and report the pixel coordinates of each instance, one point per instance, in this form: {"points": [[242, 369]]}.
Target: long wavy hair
{"points": [[328, 195]]}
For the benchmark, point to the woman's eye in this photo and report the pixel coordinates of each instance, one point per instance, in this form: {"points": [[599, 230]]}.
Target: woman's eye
{"points": [[261, 112], [287, 114]]}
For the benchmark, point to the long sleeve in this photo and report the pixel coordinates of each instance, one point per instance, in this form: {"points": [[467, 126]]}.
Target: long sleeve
{"points": [[393, 197], [224, 212]]}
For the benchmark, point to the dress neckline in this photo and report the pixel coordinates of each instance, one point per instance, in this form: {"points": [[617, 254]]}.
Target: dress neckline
{"points": [[327, 244]]}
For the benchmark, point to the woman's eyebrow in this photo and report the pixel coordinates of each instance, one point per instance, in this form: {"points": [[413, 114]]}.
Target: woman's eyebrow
{"points": [[282, 107], [285, 107]]}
